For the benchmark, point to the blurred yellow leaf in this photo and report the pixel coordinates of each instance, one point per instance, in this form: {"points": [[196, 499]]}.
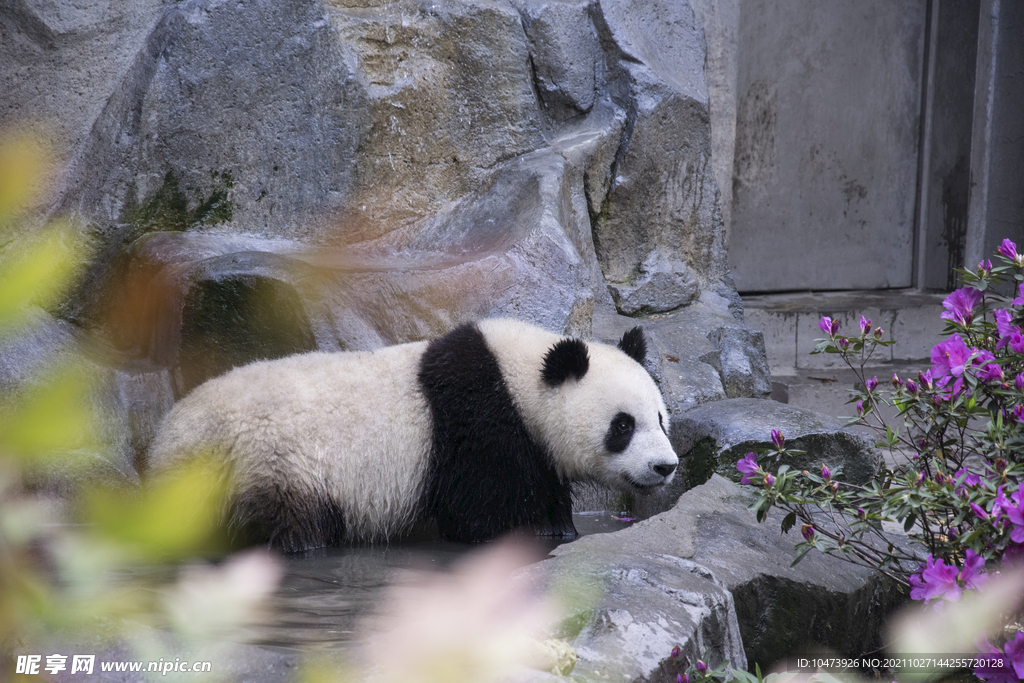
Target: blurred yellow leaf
{"points": [[50, 419], [23, 167], [173, 517], [36, 271]]}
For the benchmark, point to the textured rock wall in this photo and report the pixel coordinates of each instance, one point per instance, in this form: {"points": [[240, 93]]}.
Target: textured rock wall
{"points": [[368, 172]]}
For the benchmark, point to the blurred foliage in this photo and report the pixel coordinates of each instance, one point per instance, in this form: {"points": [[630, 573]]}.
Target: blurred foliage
{"points": [[60, 579]]}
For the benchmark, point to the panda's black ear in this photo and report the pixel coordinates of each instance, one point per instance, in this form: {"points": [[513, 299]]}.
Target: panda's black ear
{"points": [[568, 358], [634, 344]]}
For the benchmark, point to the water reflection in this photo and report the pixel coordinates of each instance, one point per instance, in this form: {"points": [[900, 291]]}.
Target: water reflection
{"points": [[325, 593]]}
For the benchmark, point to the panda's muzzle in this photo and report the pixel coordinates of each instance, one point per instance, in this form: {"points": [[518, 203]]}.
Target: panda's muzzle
{"points": [[664, 470]]}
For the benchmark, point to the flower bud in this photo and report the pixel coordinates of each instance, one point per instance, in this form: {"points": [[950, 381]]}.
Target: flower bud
{"points": [[826, 473], [926, 381], [778, 439], [862, 514], [860, 408], [702, 667], [834, 488], [768, 479], [829, 326], [843, 343], [682, 678], [871, 384], [865, 326], [940, 478], [1018, 382], [879, 333], [676, 652], [984, 269], [807, 531], [896, 381], [912, 387]]}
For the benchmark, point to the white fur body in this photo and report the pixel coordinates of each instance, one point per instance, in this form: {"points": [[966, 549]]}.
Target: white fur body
{"points": [[354, 425]]}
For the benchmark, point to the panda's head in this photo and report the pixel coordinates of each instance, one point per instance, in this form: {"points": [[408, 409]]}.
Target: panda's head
{"points": [[603, 417]]}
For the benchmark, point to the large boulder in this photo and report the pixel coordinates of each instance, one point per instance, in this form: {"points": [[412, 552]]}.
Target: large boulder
{"points": [[714, 436], [706, 577]]}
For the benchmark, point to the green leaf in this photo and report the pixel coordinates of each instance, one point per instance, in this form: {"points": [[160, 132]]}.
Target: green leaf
{"points": [[804, 549], [36, 272], [788, 522], [52, 418], [176, 515], [907, 525]]}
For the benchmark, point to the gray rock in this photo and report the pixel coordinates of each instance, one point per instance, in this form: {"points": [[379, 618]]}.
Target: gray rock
{"points": [[709, 559], [663, 196], [633, 603], [822, 601], [223, 118], [661, 284], [565, 52], [712, 437]]}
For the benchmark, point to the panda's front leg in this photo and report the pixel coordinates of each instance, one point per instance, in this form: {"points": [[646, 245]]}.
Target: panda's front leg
{"points": [[559, 522]]}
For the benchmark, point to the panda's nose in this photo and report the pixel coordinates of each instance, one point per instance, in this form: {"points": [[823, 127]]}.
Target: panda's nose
{"points": [[664, 470]]}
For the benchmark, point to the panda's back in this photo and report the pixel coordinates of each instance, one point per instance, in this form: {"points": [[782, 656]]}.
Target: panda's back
{"points": [[344, 434]]}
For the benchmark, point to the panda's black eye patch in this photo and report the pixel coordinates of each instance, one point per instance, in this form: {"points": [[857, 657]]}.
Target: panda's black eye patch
{"points": [[620, 432], [661, 424]]}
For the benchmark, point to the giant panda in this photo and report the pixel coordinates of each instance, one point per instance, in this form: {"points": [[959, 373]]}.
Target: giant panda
{"points": [[481, 431]]}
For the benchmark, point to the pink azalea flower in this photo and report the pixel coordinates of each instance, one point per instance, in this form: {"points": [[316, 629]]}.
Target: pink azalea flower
{"points": [[1001, 503], [778, 439], [966, 480], [979, 512], [993, 670], [940, 581], [973, 575], [960, 305], [828, 326], [1004, 327], [1018, 382], [1017, 340], [990, 370], [950, 357], [865, 325], [1020, 299], [748, 466], [1008, 250], [1015, 513], [1014, 650]]}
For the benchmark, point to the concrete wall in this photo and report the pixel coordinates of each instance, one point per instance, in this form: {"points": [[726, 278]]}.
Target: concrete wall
{"points": [[827, 129], [946, 141], [865, 145], [997, 154]]}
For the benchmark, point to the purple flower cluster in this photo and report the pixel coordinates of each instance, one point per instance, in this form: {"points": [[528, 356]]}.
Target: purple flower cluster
{"points": [[1010, 669], [960, 305], [940, 580]]}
